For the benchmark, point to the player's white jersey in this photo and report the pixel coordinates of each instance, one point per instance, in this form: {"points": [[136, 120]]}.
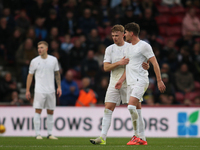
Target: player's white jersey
{"points": [[114, 54], [137, 54], [44, 73]]}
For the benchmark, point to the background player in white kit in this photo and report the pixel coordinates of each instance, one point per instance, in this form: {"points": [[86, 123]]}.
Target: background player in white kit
{"points": [[115, 62], [45, 67], [136, 77]]}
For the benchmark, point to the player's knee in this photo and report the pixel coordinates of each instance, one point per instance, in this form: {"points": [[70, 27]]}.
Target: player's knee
{"points": [[133, 112], [39, 111], [107, 111], [50, 112]]}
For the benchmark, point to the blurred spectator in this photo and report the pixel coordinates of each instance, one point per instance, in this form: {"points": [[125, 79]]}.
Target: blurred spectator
{"points": [[54, 4], [53, 35], [70, 5], [76, 55], [185, 40], [196, 61], [31, 34], [66, 46], [63, 59], [137, 10], [148, 4], [89, 66], [170, 90], [87, 97], [108, 40], [101, 90], [4, 33], [40, 31], [87, 22], [165, 99], [93, 40], [38, 9], [69, 24], [25, 53], [149, 100], [70, 91], [184, 79], [171, 60], [165, 69], [191, 23], [168, 48], [185, 57], [13, 44], [171, 3], [7, 86], [22, 20], [128, 16], [187, 102], [9, 17], [15, 100], [52, 20], [104, 13], [118, 12], [148, 23], [143, 36], [197, 100], [99, 56], [57, 55]]}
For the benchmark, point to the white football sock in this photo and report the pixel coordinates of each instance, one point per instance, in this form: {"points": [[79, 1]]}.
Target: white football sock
{"points": [[37, 124], [49, 124], [141, 128], [106, 122], [134, 118]]}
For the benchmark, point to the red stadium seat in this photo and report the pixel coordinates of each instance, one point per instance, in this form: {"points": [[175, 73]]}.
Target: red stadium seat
{"points": [[162, 20], [178, 11], [162, 30], [175, 20], [163, 9], [197, 86], [179, 97], [191, 95], [174, 30]]}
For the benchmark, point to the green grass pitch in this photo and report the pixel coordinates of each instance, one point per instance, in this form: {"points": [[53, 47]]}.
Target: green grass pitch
{"points": [[69, 143]]}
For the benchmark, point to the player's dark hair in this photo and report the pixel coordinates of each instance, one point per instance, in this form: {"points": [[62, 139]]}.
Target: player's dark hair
{"points": [[43, 42], [117, 28], [133, 27]]}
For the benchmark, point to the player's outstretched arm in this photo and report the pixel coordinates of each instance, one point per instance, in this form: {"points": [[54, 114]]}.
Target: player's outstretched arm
{"points": [[108, 66], [156, 68], [118, 85], [58, 82], [28, 85]]}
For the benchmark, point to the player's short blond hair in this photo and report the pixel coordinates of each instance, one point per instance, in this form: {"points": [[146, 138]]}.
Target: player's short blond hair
{"points": [[43, 42], [117, 28]]}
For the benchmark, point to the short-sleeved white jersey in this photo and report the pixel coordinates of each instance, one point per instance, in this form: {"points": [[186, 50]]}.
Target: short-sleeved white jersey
{"points": [[114, 54], [44, 73], [137, 54]]}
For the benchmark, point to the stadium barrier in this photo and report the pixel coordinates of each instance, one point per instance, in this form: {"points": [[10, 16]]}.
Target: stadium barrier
{"points": [[86, 122]]}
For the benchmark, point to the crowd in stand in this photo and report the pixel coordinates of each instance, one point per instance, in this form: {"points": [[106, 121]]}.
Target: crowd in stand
{"points": [[78, 32]]}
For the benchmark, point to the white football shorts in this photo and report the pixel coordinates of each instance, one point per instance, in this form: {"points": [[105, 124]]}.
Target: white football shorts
{"points": [[44, 101], [116, 96], [137, 90]]}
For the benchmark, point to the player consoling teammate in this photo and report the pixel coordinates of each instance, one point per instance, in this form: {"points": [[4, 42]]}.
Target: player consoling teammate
{"points": [[115, 61], [45, 67], [136, 77]]}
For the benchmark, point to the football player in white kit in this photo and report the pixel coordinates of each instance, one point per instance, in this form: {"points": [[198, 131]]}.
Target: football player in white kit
{"points": [[45, 67], [114, 61], [136, 77]]}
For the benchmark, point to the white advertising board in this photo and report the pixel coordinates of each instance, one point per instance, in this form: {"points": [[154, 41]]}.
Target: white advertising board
{"points": [[86, 122]]}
